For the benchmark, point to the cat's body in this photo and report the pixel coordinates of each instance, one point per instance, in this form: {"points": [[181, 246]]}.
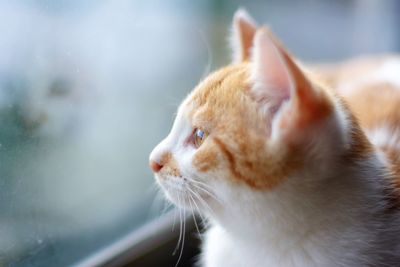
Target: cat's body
{"points": [[371, 88], [292, 168]]}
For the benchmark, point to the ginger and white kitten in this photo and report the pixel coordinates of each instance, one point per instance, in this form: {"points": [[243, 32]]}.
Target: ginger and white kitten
{"points": [[288, 171]]}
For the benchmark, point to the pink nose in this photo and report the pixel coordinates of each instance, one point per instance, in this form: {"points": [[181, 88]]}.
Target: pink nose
{"points": [[155, 166]]}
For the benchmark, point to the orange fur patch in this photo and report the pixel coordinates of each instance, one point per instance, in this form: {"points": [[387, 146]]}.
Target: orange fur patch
{"points": [[170, 166], [376, 105], [206, 159], [238, 131]]}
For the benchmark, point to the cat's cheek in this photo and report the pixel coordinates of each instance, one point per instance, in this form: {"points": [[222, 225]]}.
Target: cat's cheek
{"points": [[205, 160], [173, 188]]}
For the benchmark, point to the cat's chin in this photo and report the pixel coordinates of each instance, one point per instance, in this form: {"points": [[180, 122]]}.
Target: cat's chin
{"points": [[185, 200], [174, 191]]}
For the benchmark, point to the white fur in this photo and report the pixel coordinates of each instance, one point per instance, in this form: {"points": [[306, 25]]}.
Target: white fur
{"points": [[296, 225], [384, 136], [389, 72]]}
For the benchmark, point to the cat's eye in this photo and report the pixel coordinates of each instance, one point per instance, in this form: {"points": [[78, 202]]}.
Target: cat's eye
{"points": [[198, 137]]}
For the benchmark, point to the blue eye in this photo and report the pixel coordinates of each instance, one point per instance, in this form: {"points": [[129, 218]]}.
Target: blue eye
{"points": [[198, 137]]}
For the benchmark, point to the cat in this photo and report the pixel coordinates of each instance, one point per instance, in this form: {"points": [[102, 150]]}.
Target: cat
{"points": [[292, 165]]}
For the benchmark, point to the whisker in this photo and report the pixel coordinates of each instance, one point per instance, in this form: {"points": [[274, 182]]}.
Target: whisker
{"points": [[203, 202], [200, 183], [203, 186], [175, 212], [156, 205], [180, 227], [208, 193], [194, 202], [183, 239], [209, 54], [194, 217], [166, 207]]}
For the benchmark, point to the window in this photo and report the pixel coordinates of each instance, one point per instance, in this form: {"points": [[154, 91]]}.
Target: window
{"points": [[86, 90]]}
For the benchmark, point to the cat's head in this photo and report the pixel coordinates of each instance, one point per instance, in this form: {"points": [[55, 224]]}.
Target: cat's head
{"points": [[250, 126]]}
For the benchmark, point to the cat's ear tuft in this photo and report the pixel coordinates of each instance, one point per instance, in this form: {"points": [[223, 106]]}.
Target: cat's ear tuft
{"points": [[282, 89], [243, 30]]}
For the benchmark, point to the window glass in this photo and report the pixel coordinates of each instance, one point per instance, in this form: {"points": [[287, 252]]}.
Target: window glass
{"points": [[87, 88]]}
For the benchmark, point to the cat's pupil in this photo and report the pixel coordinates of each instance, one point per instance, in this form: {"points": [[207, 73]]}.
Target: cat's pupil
{"points": [[199, 136]]}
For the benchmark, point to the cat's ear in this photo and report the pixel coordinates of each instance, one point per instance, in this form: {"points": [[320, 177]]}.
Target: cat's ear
{"points": [[283, 90], [243, 31]]}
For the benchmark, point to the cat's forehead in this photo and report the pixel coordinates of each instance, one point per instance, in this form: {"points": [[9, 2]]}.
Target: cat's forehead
{"points": [[223, 85], [220, 91]]}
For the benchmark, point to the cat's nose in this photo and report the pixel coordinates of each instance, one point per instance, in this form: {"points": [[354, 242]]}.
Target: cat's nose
{"points": [[155, 166]]}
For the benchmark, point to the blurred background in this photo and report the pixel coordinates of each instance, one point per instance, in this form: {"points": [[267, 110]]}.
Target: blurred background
{"points": [[88, 88]]}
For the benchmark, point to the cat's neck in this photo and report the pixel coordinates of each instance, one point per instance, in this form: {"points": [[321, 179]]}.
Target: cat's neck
{"points": [[303, 207]]}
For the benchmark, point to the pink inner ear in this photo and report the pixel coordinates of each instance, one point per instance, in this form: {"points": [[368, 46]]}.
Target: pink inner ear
{"points": [[246, 37], [278, 79], [272, 81]]}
